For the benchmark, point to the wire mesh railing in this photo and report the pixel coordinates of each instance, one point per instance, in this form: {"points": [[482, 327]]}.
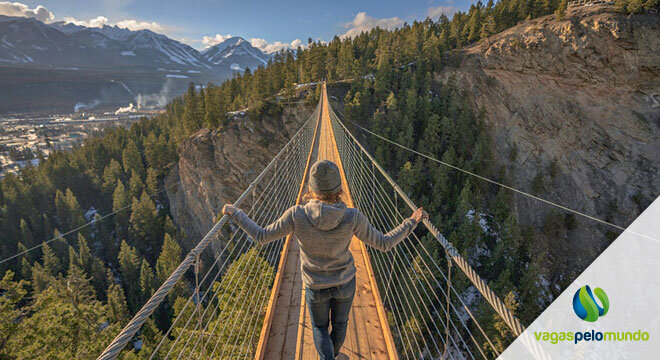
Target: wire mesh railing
{"points": [[221, 316], [431, 306]]}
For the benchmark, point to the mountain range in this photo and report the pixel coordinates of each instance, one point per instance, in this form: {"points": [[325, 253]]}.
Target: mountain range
{"points": [[115, 64]]}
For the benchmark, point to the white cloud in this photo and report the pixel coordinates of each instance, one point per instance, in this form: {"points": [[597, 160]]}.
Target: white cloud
{"points": [[98, 21], [435, 11], [209, 41], [131, 24], [18, 9], [273, 47], [42, 14], [363, 22]]}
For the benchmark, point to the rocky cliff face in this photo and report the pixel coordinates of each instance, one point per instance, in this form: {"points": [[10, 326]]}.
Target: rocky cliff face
{"points": [[573, 106], [215, 167]]}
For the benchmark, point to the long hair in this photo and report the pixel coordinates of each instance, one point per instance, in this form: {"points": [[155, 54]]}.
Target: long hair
{"points": [[330, 199]]}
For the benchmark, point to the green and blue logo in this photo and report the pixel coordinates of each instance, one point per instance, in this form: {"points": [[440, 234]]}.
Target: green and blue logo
{"points": [[585, 305]]}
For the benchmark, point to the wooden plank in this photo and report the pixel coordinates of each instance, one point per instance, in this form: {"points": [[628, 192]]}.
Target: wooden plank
{"points": [[270, 310], [368, 334], [389, 340]]}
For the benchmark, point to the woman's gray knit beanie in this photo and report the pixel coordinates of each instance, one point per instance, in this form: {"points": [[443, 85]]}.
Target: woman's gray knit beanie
{"points": [[324, 178]]}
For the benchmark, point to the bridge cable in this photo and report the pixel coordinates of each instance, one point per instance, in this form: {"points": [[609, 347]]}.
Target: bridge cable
{"points": [[63, 235], [262, 211], [390, 207], [243, 235], [138, 320], [379, 253], [562, 207], [479, 283]]}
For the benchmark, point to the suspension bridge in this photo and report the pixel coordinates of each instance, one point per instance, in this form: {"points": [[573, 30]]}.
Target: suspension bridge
{"points": [[248, 299]]}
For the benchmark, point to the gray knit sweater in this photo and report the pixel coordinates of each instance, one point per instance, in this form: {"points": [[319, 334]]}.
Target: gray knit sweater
{"points": [[324, 232]]}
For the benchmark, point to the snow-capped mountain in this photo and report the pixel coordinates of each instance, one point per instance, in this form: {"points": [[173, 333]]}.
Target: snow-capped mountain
{"points": [[60, 44], [28, 41], [116, 65], [235, 54], [141, 44]]}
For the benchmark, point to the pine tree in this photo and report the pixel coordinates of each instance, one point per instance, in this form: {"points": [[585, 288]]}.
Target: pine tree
{"points": [[152, 181], [147, 281], [120, 200], [111, 175], [145, 225], [52, 264], [13, 292], [129, 267], [488, 27], [191, 119], [132, 159], [26, 234], [168, 261], [92, 266], [561, 9], [156, 151], [117, 307], [65, 323], [135, 185], [69, 214], [41, 278]]}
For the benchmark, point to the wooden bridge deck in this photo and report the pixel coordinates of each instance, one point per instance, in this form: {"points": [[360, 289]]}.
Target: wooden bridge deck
{"points": [[287, 331]]}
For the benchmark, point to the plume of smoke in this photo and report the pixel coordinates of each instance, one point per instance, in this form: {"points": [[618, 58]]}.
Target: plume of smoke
{"points": [[155, 100], [126, 109], [83, 106]]}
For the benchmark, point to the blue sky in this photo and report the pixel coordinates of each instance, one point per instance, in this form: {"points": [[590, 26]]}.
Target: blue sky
{"points": [[269, 25]]}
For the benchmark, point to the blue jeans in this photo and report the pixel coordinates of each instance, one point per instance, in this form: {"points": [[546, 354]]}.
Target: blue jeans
{"points": [[330, 305]]}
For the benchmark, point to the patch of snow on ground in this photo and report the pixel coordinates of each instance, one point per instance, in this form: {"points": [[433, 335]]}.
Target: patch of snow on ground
{"points": [[238, 113], [175, 76], [298, 86], [469, 297], [127, 53], [7, 43], [235, 67], [137, 344], [194, 71], [89, 215], [482, 220]]}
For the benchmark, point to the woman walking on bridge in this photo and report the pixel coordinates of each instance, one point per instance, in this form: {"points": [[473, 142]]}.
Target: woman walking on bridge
{"points": [[324, 227]]}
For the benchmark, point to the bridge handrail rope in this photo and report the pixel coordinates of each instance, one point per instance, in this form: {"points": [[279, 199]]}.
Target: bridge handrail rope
{"points": [[514, 324], [388, 220], [279, 194], [232, 252], [129, 331], [260, 215], [518, 191]]}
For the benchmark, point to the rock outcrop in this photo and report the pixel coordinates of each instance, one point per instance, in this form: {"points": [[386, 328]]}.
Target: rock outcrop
{"points": [[573, 105], [215, 167]]}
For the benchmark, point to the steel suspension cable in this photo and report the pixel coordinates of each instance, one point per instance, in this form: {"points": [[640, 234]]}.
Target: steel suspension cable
{"points": [[392, 206], [277, 194], [241, 236], [376, 253], [138, 320], [512, 321], [521, 192], [389, 208]]}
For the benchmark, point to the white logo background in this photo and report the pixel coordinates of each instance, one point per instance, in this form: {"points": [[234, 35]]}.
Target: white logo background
{"points": [[629, 272]]}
